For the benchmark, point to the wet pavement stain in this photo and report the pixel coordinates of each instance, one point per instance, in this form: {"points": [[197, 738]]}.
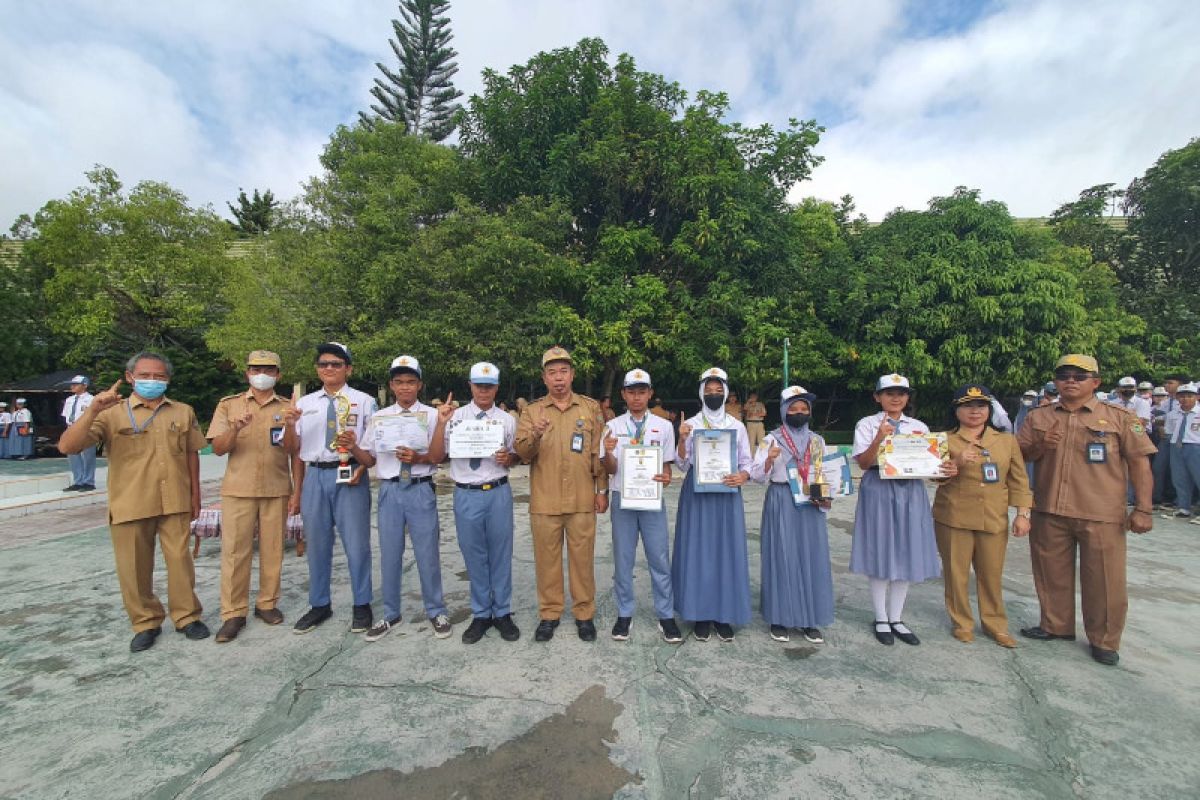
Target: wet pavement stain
{"points": [[47, 664], [461, 615], [20, 616], [799, 653], [563, 755]]}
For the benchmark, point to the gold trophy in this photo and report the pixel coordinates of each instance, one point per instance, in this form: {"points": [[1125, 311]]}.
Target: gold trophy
{"points": [[818, 487], [341, 412]]}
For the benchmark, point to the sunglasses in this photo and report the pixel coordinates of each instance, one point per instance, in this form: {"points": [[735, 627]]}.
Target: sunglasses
{"points": [[1077, 377], [330, 364]]}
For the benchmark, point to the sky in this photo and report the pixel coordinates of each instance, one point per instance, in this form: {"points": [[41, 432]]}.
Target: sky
{"points": [[1029, 101]]}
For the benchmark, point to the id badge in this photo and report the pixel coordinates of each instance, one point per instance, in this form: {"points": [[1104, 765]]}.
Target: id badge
{"points": [[1097, 452], [991, 472], [277, 436], [794, 482], [577, 442]]}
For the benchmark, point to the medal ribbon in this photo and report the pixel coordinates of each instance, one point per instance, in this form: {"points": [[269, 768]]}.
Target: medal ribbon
{"points": [[801, 463]]}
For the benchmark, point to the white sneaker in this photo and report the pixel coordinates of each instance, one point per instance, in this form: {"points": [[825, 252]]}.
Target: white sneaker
{"points": [[441, 626]]}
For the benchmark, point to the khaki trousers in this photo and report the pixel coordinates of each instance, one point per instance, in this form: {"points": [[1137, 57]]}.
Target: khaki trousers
{"points": [[755, 433], [239, 517], [548, 533], [133, 549], [1052, 544], [962, 549]]}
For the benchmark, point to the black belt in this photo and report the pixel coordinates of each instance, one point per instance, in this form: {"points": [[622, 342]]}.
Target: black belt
{"points": [[780, 483], [423, 479], [331, 464], [483, 487]]}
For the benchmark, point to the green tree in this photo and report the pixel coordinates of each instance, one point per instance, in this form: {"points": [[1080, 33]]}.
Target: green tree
{"points": [[420, 93], [1163, 207], [255, 214], [1088, 222]]}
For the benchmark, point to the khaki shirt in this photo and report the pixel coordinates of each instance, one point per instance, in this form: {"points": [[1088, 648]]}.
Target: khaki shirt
{"points": [[1065, 483], [257, 466], [734, 410], [755, 412], [562, 481], [148, 471], [965, 501]]}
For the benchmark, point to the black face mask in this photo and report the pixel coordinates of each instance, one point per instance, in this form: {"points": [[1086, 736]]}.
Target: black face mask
{"points": [[798, 420], [714, 401]]}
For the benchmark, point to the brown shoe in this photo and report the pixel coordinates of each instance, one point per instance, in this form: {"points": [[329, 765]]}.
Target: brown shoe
{"points": [[230, 629], [1004, 640], [963, 635], [271, 616]]}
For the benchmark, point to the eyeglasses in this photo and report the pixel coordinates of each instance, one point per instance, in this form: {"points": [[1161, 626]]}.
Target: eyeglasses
{"points": [[1076, 377], [330, 364]]}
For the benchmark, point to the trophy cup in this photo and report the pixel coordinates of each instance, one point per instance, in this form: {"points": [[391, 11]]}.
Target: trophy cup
{"points": [[818, 487], [341, 411]]}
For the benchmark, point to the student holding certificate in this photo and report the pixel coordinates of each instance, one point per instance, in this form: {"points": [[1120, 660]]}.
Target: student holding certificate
{"points": [[893, 528], [709, 568], [638, 449], [797, 581]]}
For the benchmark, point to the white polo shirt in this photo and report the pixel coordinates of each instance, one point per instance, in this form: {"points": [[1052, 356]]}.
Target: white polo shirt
{"points": [[489, 470], [657, 432], [311, 426], [387, 465], [867, 427], [1138, 406], [1191, 434], [75, 405]]}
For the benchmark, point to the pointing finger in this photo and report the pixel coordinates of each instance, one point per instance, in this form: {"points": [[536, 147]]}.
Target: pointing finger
{"points": [[450, 398], [116, 385]]}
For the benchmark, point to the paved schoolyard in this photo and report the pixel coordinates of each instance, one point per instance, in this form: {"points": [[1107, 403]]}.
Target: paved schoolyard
{"points": [[329, 715]]}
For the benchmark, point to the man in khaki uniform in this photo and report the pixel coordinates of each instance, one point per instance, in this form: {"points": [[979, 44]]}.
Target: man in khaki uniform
{"points": [[248, 426], [152, 444], [755, 413], [1085, 452], [562, 437]]}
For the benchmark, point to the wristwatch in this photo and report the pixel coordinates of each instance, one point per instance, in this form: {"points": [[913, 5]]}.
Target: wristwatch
{"points": [[1026, 513]]}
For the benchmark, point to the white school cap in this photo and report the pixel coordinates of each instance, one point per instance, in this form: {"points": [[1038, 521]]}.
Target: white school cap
{"points": [[484, 372], [1127, 381], [637, 377], [405, 364], [892, 381], [1187, 387]]}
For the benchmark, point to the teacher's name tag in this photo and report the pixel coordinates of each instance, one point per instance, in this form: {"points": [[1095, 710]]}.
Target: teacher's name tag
{"points": [[991, 472], [277, 436], [1097, 453], [577, 442]]}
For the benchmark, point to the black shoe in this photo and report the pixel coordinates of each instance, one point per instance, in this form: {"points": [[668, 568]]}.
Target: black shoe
{"points": [[1043, 635], [74, 487], [587, 629], [908, 637], [620, 631], [1108, 658], [545, 630], [230, 629], [884, 636], [509, 631], [476, 630], [86, 487], [813, 635], [312, 618], [144, 640], [724, 631], [361, 621], [780, 633], [194, 630], [670, 631], [700, 631]]}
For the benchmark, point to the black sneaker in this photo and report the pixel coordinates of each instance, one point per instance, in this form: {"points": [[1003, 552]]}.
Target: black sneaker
{"points": [[74, 487], [361, 621], [813, 635], [620, 631], [780, 633], [312, 618], [476, 630], [86, 487], [724, 631], [509, 631], [586, 629], [545, 630], [700, 631], [670, 631], [381, 629]]}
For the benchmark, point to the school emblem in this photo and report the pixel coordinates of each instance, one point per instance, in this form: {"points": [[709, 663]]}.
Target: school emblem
{"points": [[894, 378], [974, 391]]}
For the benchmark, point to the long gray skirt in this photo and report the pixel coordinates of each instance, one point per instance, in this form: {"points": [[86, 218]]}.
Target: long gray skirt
{"points": [[710, 573], [797, 581], [19, 445], [893, 531]]}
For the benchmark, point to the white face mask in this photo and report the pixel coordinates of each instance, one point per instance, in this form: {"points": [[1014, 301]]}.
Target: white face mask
{"points": [[262, 382]]}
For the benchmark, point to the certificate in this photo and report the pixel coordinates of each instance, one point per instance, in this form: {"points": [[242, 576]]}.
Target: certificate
{"points": [[476, 438], [639, 490], [393, 431], [714, 456], [913, 455]]}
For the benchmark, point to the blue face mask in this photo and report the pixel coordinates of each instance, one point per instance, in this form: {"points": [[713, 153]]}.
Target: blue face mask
{"points": [[150, 390]]}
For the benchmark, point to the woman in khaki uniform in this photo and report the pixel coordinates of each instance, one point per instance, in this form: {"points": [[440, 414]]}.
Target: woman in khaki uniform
{"points": [[970, 514]]}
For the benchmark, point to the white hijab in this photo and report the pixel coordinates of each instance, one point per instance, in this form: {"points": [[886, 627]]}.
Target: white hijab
{"points": [[715, 418]]}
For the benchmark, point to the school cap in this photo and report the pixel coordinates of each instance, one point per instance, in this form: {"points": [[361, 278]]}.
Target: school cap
{"points": [[1159, 391], [334, 349], [637, 377], [971, 392], [714, 373], [21, 400], [1185, 389], [1030, 393], [793, 393], [265, 358], [80, 379], [1127, 383], [556, 353], [1078, 360], [484, 373], [892, 381], [402, 364], [1145, 385]]}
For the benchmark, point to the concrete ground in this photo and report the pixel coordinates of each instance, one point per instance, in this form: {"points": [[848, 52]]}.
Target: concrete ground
{"points": [[329, 715]]}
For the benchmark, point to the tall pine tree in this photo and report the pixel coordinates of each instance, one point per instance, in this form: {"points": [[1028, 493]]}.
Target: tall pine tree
{"points": [[421, 93]]}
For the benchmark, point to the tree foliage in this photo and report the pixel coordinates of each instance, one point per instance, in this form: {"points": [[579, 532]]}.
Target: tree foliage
{"points": [[253, 215]]}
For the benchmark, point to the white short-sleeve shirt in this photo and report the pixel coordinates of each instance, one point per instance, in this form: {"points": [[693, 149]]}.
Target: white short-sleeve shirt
{"points": [[387, 465], [867, 427], [657, 432], [1191, 434], [729, 423], [488, 470], [313, 420], [75, 405]]}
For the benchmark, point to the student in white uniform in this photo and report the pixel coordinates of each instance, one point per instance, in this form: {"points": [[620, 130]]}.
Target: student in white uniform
{"points": [[83, 463], [5, 428], [20, 438], [1182, 439], [1126, 397]]}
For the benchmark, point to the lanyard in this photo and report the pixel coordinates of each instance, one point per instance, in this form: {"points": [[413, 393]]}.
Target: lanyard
{"points": [[635, 434], [801, 463], [146, 424]]}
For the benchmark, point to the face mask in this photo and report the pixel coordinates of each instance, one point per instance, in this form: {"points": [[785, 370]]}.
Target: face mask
{"points": [[150, 390], [798, 420], [714, 401], [262, 382], [1127, 395]]}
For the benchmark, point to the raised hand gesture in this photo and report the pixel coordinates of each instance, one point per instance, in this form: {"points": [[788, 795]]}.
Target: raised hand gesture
{"points": [[108, 398]]}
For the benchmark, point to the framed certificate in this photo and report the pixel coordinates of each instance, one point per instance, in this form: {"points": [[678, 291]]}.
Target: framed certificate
{"points": [[401, 430], [714, 455], [913, 455], [476, 438], [639, 490]]}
